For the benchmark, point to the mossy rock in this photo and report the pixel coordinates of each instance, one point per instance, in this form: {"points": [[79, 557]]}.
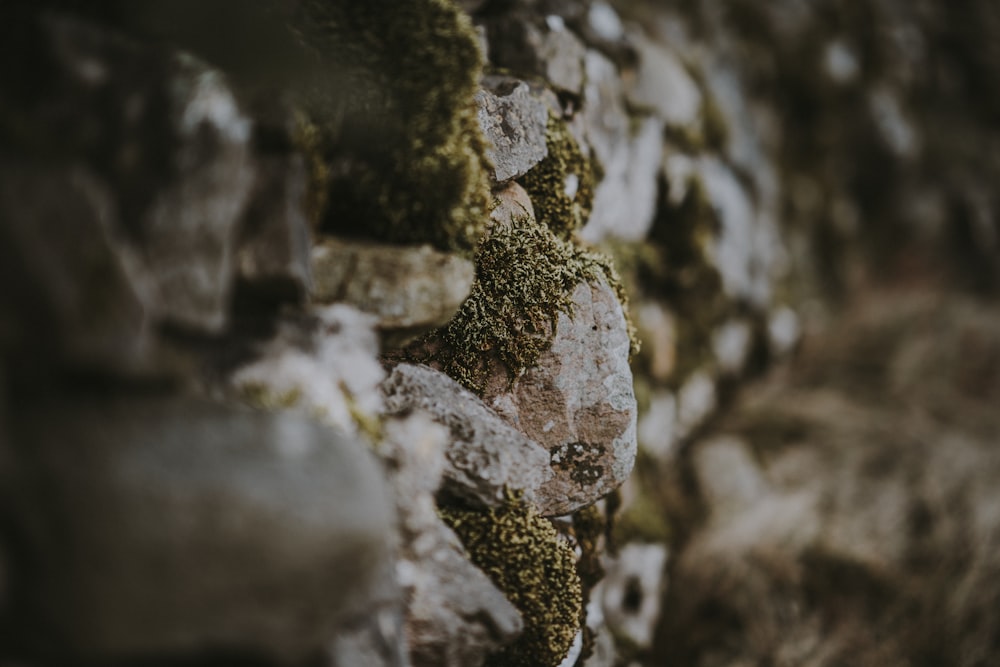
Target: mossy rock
{"points": [[523, 555], [392, 137], [525, 277]]}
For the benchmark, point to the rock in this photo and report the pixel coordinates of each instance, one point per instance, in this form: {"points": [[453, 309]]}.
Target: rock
{"points": [[747, 244], [273, 254], [547, 49], [513, 121], [404, 287], [66, 295], [188, 235], [632, 591], [577, 402], [663, 85], [513, 201], [630, 153], [731, 344], [455, 616], [165, 136], [658, 427], [485, 456], [325, 364], [172, 525], [377, 637]]}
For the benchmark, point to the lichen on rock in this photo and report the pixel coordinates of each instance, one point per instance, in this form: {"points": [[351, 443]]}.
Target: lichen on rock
{"points": [[522, 553], [393, 139], [525, 276]]}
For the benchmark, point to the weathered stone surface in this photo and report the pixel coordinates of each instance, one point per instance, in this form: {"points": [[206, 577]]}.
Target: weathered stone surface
{"points": [[513, 121], [577, 402], [485, 455], [546, 48], [404, 287], [164, 526], [630, 152], [455, 616], [325, 364], [273, 253]]}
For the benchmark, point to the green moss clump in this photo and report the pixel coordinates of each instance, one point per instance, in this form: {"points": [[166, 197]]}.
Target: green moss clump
{"points": [[392, 136], [522, 554], [562, 185], [525, 277]]}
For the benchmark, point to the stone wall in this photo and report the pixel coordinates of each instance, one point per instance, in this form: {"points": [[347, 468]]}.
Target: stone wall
{"points": [[338, 333]]}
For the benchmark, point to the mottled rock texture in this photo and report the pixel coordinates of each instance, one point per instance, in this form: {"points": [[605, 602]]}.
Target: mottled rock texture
{"points": [[484, 455], [577, 402]]}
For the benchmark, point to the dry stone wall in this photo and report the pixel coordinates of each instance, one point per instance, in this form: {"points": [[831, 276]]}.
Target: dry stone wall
{"points": [[384, 333]]}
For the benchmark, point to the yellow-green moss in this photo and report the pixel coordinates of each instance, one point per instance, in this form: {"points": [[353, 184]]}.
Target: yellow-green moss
{"points": [[525, 277], [523, 555], [405, 158], [547, 182]]}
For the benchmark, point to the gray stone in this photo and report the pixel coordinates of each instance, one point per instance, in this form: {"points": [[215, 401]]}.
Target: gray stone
{"points": [[547, 49], [632, 591], [513, 121], [325, 364], [172, 526], [485, 456], [455, 616], [630, 153], [577, 402], [185, 260], [273, 254], [625, 199], [662, 85], [404, 287]]}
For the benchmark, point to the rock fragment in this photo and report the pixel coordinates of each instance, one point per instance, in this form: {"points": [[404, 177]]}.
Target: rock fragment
{"points": [[455, 616], [663, 85], [485, 456], [324, 364], [547, 49], [404, 287], [513, 122], [577, 402], [160, 526], [629, 151]]}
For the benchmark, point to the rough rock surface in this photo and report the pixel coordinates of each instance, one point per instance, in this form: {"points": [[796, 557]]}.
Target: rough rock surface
{"points": [[577, 402], [455, 615], [171, 525], [404, 287], [629, 151], [513, 121], [484, 456]]}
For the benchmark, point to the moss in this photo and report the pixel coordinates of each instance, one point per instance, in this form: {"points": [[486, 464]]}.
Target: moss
{"points": [[525, 277], [264, 398], [396, 121], [562, 185], [523, 555]]}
